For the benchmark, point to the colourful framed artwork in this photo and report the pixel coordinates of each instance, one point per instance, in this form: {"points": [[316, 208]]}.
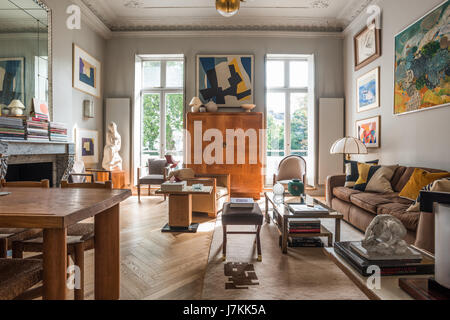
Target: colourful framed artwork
{"points": [[86, 145], [368, 131], [86, 72], [12, 84], [225, 79], [368, 90], [422, 59], [367, 45]]}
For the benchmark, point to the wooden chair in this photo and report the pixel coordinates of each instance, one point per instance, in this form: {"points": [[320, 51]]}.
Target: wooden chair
{"points": [[80, 238], [17, 276], [9, 235]]}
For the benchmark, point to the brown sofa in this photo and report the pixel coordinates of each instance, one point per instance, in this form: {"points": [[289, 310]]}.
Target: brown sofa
{"points": [[359, 208]]}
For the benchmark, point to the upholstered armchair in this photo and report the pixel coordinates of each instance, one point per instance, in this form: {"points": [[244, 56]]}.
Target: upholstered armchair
{"points": [[155, 173], [290, 167], [211, 203]]}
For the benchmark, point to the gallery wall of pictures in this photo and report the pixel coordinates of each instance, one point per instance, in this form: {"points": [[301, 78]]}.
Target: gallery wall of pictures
{"points": [[421, 70]]}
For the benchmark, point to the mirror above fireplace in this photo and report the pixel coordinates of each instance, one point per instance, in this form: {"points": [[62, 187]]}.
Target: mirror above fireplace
{"points": [[25, 53]]}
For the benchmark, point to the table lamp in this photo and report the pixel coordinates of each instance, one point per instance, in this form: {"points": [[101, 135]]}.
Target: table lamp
{"points": [[348, 146]]}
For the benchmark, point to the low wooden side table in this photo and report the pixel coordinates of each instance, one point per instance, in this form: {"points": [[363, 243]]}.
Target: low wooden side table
{"points": [[180, 209]]}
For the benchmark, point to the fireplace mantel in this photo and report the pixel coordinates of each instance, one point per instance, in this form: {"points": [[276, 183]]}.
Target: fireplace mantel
{"points": [[61, 154]]}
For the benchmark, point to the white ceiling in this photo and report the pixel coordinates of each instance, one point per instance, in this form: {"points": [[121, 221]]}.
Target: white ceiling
{"points": [[298, 15]]}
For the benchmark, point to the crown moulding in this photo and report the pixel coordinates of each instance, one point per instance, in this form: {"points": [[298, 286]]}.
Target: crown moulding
{"points": [[101, 17]]}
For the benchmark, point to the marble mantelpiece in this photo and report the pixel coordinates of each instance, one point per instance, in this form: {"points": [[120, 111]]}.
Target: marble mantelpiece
{"points": [[61, 154]]}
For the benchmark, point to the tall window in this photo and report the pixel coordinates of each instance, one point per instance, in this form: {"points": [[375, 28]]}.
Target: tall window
{"points": [[289, 107], [162, 106]]}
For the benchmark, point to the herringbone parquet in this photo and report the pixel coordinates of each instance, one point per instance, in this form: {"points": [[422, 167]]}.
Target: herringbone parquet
{"points": [[156, 265]]}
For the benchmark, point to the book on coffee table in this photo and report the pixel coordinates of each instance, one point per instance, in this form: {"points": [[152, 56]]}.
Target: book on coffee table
{"points": [[241, 203], [299, 208]]}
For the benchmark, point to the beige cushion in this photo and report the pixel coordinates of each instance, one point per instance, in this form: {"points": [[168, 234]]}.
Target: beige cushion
{"points": [[182, 174], [221, 191], [381, 180], [441, 185], [291, 168]]}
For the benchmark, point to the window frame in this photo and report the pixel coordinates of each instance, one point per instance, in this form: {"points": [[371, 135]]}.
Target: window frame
{"points": [[162, 90], [288, 90]]}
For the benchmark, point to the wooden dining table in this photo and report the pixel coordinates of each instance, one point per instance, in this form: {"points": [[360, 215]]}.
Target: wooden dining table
{"points": [[53, 210]]}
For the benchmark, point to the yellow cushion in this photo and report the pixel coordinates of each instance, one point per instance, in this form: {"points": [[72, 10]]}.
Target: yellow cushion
{"points": [[419, 179], [363, 170]]}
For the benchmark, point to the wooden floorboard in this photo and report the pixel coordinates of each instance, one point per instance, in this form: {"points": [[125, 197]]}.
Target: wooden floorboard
{"points": [[156, 265]]}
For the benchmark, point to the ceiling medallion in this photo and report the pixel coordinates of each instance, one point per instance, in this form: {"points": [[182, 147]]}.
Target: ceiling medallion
{"points": [[228, 8], [320, 4], [133, 4]]}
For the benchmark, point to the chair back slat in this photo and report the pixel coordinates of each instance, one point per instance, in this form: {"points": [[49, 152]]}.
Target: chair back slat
{"points": [[96, 185], [26, 184]]}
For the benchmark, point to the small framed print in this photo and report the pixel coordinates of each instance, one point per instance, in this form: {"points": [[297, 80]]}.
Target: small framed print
{"points": [[368, 131], [367, 46], [86, 72], [368, 90], [86, 145]]}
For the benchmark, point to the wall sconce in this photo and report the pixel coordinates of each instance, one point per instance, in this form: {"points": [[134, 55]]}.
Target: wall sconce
{"points": [[88, 107]]}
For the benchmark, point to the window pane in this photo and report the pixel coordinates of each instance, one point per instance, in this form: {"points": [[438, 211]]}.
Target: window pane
{"points": [[174, 75], [152, 74], [298, 74], [174, 125], [275, 74], [275, 123], [299, 124], [151, 125]]}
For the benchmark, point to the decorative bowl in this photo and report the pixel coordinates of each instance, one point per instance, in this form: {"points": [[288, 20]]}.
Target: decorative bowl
{"points": [[248, 107]]}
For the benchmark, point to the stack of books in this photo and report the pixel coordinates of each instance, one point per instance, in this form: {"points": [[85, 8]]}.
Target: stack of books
{"points": [[241, 203], [173, 186], [305, 242], [58, 131], [300, 225], [411, 264], [11, 128], [37, 129], [39, 116]]}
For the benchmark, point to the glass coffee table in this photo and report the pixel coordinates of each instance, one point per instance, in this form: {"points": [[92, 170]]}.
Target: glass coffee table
{"points": [[281, 216]]}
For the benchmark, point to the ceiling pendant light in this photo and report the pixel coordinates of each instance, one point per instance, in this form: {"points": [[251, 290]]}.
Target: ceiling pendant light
{"points": [[228, 8]]}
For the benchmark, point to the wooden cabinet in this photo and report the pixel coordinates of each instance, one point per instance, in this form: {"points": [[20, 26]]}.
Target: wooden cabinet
{"points": [[230, 142]]}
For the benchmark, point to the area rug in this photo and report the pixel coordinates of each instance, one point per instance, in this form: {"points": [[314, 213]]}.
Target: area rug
{"points": [[302, 274]]}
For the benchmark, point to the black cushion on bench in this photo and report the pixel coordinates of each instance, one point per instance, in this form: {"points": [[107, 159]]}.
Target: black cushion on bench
{"points": [[242, 216]]}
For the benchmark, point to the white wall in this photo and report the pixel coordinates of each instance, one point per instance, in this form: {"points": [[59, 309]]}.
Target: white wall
{"points": [[68, 102], [416, 139]]}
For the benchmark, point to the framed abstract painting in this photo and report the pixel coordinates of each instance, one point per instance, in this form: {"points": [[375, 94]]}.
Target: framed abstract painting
{"points": [[12, 84], [368, 90], [367, 45], [86, 72], [86, 145], [422, 59], [225, 79], [368, 131]]}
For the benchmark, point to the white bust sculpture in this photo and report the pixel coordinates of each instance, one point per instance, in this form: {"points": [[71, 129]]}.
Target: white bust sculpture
{"points": [[111, 158], [385, 236]]}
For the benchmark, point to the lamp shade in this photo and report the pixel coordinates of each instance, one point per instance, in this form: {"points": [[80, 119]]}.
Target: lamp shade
{"points": [[348, 145], [16, 104], [195, 102]]}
